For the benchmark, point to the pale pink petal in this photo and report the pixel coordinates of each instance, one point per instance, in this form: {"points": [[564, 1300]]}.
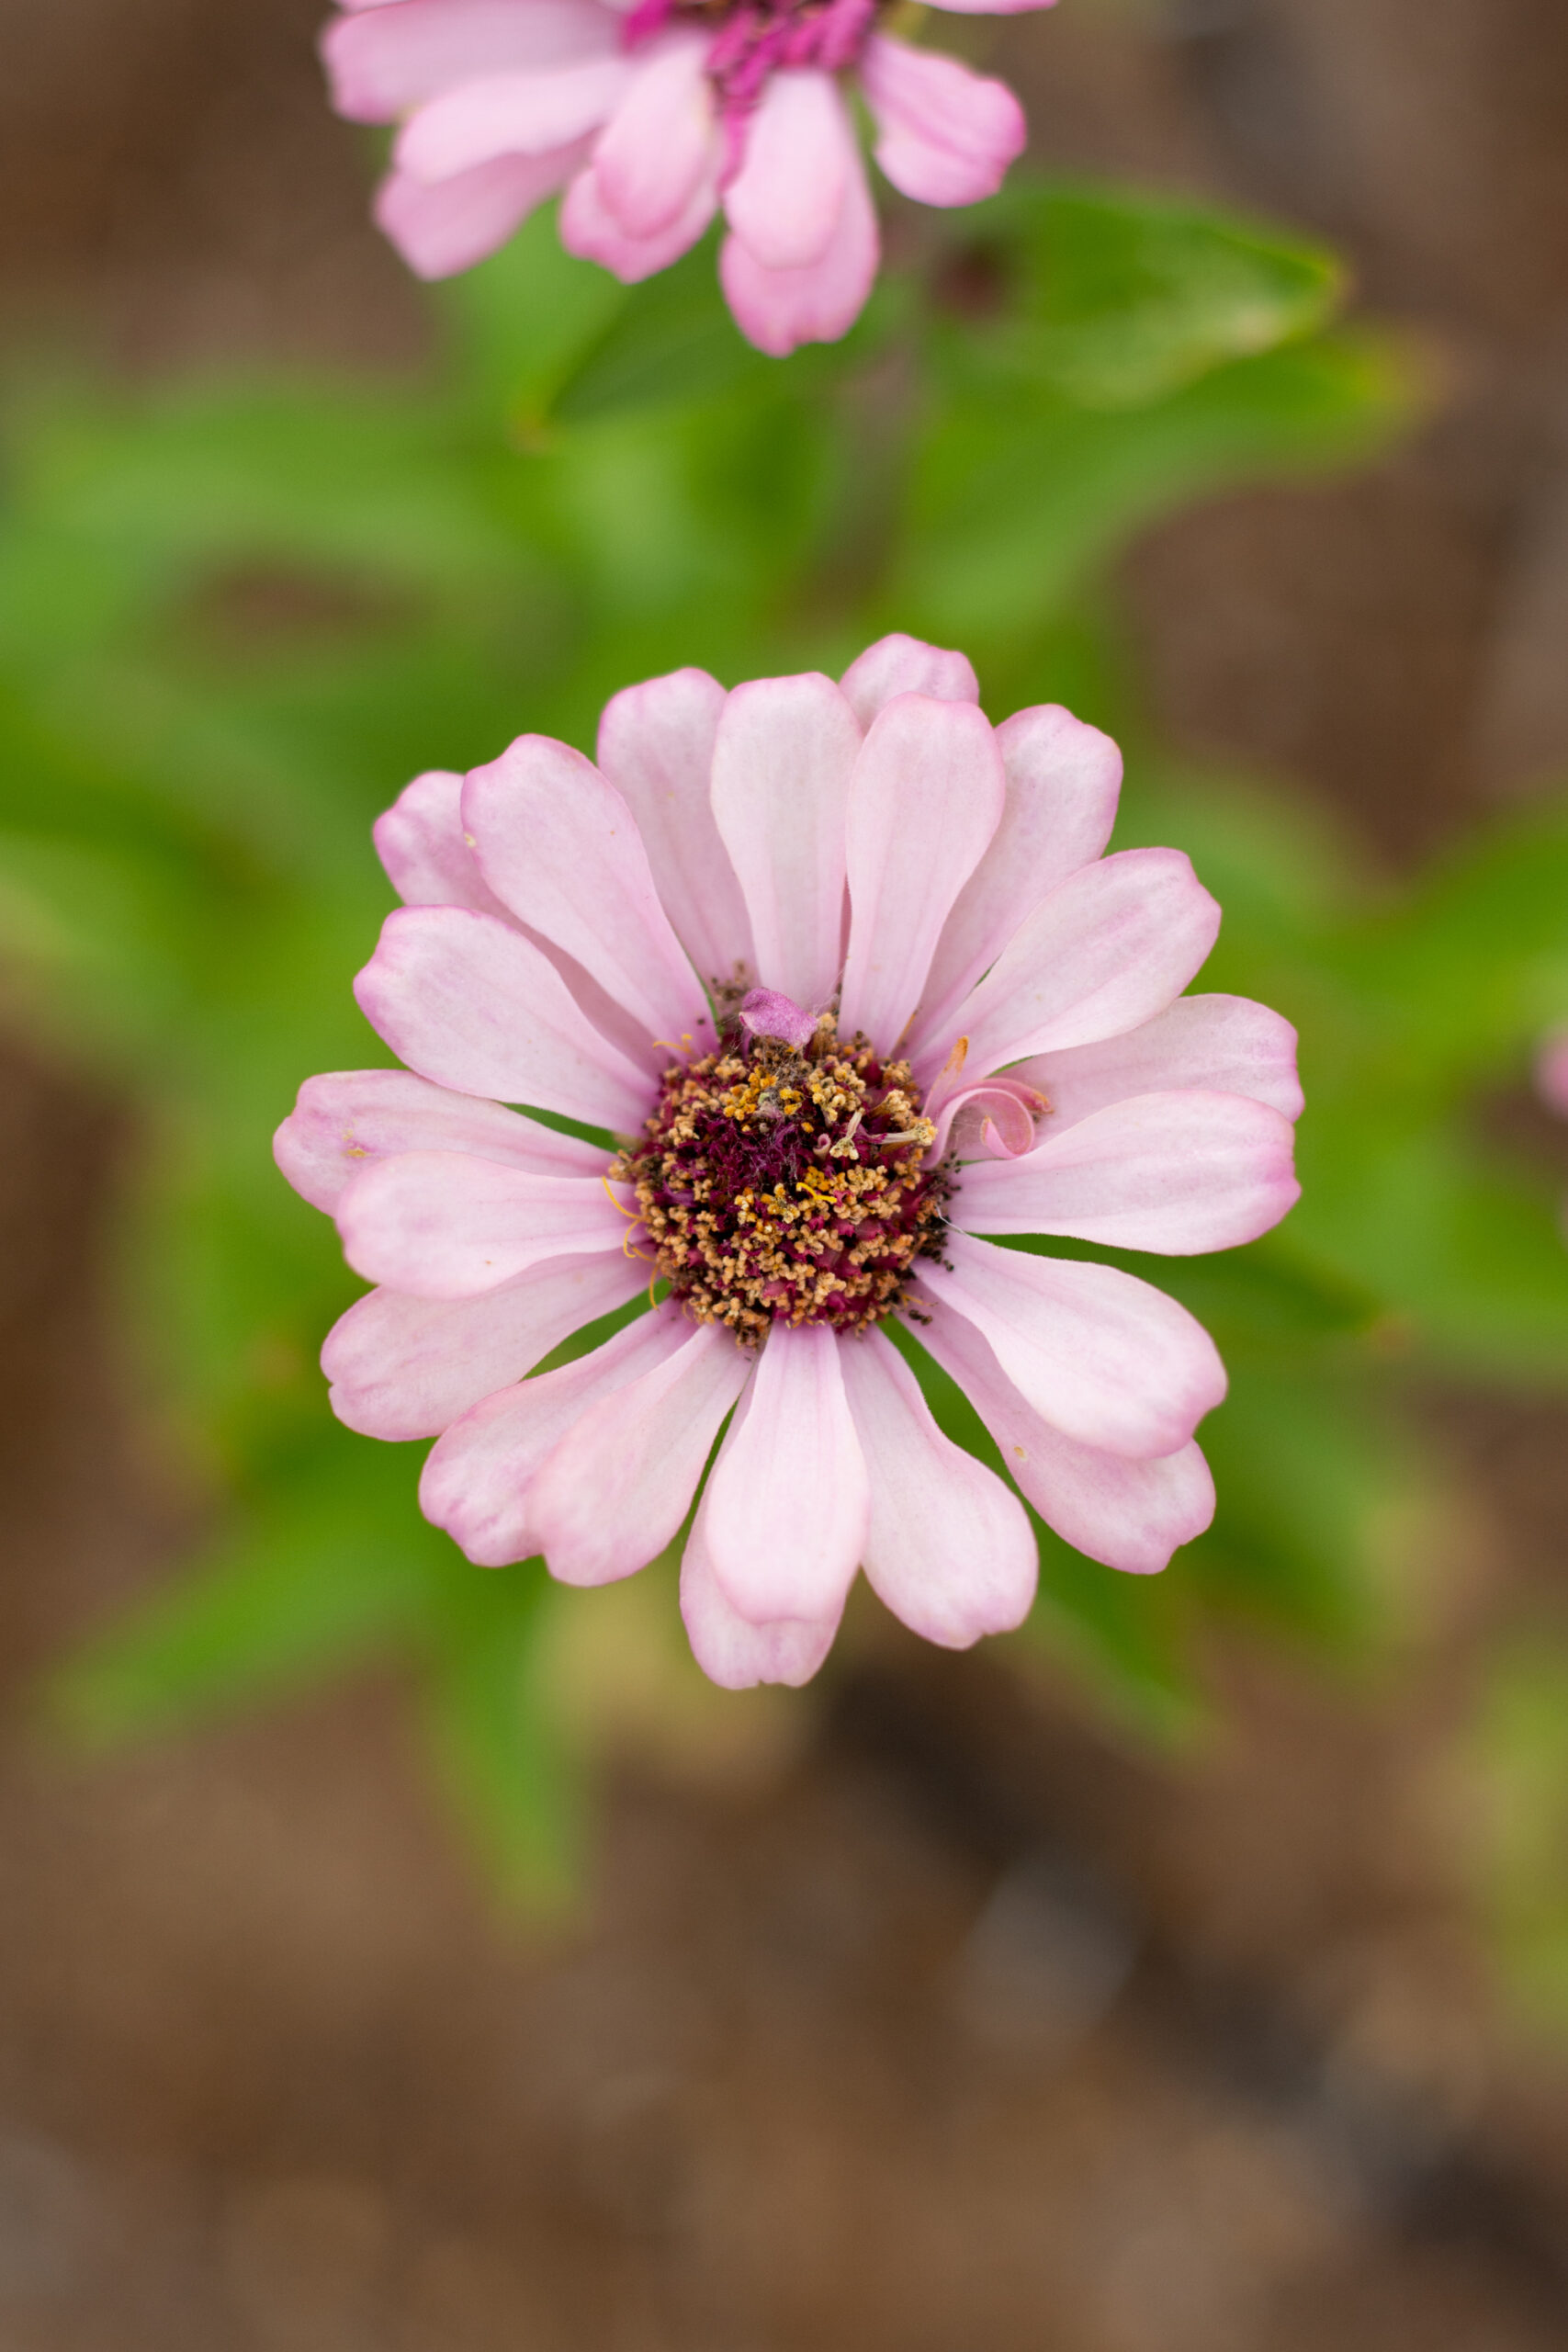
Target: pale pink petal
{"points": [[787, 1501], [781, 780], [990, 8], [1180, 1173], [1102, 1356], [662, 143], [946, 135], [1111, 946], [784, 202], [383, 60], [1226, 1044], [347, 1118], [1128, 1515], [780, 309], [947, 1548], [510, 114], [617, 1487], [468, 1002], [559, 846], [1552, 1072], [444, 226], [477, 1477], [420, 842], [405, 1367], [656, 746], [590, 230], [991, 1120], [1063, 780], [443, 1225], [903, 665], [925, 796], [730, 1650]]}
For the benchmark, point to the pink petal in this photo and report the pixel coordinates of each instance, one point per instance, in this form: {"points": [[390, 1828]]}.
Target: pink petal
{"points": [[662, 143], [780, 309], [1226, 1044], [350, 1117], [445, 1224], [1180, 1172], [903, 665], [785, 200], [1128, 1515], [787, 1501], [406, 1367], [729, 1648], [510, 114], [471, 1004], [590, 230], [948, 1548], [380, 61], [990, 8], [420, 842], [781, 780], [448, 226], [1552, 1072], [947, 135], [478, 1478], [994, 1119], [617, 1487], [925, 797], [1102, 1356], [1111, 946], [1063, 780], [656, 746], [559, 846]]}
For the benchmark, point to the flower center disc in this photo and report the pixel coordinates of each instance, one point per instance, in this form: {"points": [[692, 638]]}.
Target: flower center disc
{"points": [[785, 1184]]}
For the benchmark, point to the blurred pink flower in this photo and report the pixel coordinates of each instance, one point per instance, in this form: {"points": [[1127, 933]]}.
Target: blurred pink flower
{"points": [[848, 970], [655, 114], [1552, 1071]]}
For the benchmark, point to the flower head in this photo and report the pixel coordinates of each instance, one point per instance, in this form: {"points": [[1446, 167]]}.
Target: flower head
{"points": [[845, 972], [653, 118]]}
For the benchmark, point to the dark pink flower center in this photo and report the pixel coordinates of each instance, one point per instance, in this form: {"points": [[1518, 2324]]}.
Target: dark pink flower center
{"points": [[782, 1178], [752, 37]]}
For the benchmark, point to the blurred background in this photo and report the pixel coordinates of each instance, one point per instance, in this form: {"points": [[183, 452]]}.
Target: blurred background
{"points": [[1191, 1975]]}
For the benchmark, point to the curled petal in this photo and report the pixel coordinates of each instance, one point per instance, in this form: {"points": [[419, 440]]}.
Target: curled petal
{"points": [[443, 1225], [903, 665], [1104, 1358], [1225, 1044], [1180, 1173], [616, 1490], [947, 135], [1128, 1515], [948, 1549], [346, 1119], [731, 1650], [404, 1367], [787, 1501], [478, 1478], [994, 1119]]}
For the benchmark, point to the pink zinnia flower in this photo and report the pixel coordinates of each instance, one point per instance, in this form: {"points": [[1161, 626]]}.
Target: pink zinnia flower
{"points": [[651, 116], [847, 970]]}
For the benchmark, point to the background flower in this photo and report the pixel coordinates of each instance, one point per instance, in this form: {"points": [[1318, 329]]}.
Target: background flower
{"points": [[851, 972], [653, 118]]}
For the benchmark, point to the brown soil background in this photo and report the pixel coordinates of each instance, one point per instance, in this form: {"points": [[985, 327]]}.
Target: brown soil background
{"points": [[922, 2014]]}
